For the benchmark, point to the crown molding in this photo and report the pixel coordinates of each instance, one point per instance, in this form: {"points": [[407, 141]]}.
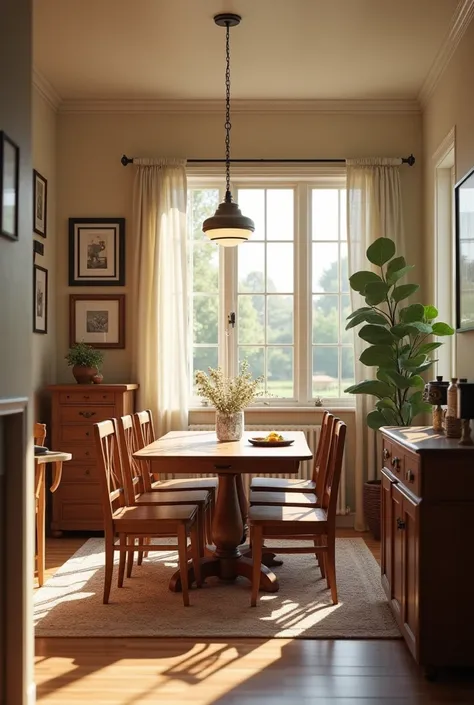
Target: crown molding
{"points": [[446, 145], [459, 23], [46, 90], [240, 106]]}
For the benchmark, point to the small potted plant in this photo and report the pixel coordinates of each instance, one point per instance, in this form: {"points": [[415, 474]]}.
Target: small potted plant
{"points": [[85, 361]]}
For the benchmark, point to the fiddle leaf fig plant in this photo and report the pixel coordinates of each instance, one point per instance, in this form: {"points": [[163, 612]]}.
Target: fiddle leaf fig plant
{"points": [[399, 337]]}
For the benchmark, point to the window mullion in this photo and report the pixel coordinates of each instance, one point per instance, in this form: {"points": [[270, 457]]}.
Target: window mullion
{"points": [[302, 293]]}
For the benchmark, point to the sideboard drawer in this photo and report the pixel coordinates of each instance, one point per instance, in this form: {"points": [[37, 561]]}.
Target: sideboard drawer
{"points": [[386, 454], [89, 396], [73, 472], [81, 453], [396, 464], [77, 433], [411, 477], [82, 414]]}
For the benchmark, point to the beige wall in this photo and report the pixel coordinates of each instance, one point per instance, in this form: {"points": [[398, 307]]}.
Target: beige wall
{"points": [[92, 182], [44, 161], [451, 105]]}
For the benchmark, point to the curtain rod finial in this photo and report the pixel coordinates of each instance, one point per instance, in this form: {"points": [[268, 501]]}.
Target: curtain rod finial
{"points": [[125, 160]]}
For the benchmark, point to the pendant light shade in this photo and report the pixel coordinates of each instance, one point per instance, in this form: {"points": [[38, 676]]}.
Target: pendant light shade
{"points": [[228, 227]]}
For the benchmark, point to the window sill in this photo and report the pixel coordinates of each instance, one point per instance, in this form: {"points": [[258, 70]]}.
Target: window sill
{"points": [[280, 409]]}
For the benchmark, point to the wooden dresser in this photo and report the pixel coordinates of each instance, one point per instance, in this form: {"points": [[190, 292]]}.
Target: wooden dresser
{"points": [[75, 408], [428, 543]]}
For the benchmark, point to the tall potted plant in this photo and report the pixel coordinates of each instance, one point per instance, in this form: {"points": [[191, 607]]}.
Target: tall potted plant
{"points": [[399, 337]]}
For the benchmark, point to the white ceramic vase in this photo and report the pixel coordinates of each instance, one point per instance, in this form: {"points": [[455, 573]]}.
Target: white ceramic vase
{"points": [[229, 427]]}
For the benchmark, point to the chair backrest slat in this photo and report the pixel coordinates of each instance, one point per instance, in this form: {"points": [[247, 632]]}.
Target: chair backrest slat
{"points": [[333, 474], [136, 478], [39, 434], [145, 434], [110, 470], [321, 458]]}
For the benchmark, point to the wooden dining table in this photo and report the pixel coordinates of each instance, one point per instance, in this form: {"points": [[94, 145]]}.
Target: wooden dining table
{"points": [[200, 453]]}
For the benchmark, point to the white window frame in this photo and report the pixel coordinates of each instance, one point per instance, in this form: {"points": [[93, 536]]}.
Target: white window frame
{"points": [[301, 178]]}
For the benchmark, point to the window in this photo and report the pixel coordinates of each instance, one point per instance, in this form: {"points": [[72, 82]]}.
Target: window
{"points": [[288, 288]]}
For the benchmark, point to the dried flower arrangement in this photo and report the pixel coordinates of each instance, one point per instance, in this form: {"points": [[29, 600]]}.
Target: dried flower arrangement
{"points": [[229, 394]]}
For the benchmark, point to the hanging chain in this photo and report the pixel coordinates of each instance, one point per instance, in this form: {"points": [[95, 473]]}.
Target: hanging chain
{"points": [[227, 111]]}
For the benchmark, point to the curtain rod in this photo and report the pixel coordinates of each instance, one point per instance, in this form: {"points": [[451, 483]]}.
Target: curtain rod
{"points": [[405, 160]]}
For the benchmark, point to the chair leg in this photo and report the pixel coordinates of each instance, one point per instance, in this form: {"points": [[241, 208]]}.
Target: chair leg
{"points": [[40, 534], [141, 553], [109, 567], [196, 538], [121, 573], [319, 557], [183, 563], [201, 531], [257, 542], [130, 556], [209, 517], [331, 567]]}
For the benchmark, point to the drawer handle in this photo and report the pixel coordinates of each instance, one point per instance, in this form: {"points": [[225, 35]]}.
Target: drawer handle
{"points": [[386, 454], [85, 396], [396, 462], [222, 467], [87, 472], [87, 414], [409, 476], [86, 453], [400, 523], [87, 433]]}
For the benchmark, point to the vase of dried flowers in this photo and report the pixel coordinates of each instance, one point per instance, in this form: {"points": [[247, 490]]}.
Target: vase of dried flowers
{"points": [[229, 396]]}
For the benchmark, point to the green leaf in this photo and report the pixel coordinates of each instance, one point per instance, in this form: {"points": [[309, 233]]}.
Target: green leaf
{"points": [[442, 329], [404, 291], [415, 361], [428, 347], [406, 412], [422, 327], [419, 407], [377, 335], [371, 386], [431, 312], [378, 356], [395, 265], [423, 367], [384, 376], [398, 379], [415, 312], [386, 403], [402, 329], [381, 251], [375, 419], [369, 316], [358, 311], [376, 292], [416, 381], [395, 276], [359, 280]]}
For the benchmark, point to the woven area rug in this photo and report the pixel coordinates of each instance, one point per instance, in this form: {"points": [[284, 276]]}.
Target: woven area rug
{"points": [[70, 603]]}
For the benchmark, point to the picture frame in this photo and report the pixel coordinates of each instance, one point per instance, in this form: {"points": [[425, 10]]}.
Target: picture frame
{"points": [[464, 220], [40, 299], [9, 186], [97, 319], [40, 203], [96, 251]]}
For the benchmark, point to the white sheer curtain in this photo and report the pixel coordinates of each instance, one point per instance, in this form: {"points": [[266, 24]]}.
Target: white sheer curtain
{"points": [[160, 315], [374, 209]]}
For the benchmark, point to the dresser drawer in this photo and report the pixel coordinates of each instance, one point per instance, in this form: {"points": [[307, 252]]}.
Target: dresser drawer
{"points": [[92, 396], [411, 477], [77, 433], [82, 453], [392, 457], [386, 454], [84, 491], [74, 472], [84, 413]]}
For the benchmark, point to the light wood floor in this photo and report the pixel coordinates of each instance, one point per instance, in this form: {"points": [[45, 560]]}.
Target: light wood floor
{"points": [[234, 671]]}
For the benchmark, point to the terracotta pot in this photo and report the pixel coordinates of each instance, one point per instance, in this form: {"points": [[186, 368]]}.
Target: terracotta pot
{"points": [[98, 378], [84, 375]]}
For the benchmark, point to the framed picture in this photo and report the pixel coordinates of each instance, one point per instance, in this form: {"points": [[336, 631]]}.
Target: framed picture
{"points": [[40, 203], [97, 319], [464, 209], [9, 186], [40, 299], [96, 251]]}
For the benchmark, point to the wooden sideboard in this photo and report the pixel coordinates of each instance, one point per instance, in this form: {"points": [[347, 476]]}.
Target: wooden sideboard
{"points": [[75, 408], [427, 543]]}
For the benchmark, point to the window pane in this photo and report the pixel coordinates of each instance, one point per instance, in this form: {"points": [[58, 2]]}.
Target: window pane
{"points": [[205, 319], [280, 372], [280, 268], [325, 319], [252, 204], [347, 368], [344, 268], [325, 372], [280, 214], [256, 359], [202, 203], [251, 267], [347, 336], [343, 216], [280, 319], [205, 268], [202, 359], [325, 214], [251, 320], [325, 267]]}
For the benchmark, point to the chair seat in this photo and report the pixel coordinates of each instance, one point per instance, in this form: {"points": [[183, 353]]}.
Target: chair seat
{"points": [[153, 519], [186, 483], [278, 515], [282, 484], [200, 497], [289, 499]]}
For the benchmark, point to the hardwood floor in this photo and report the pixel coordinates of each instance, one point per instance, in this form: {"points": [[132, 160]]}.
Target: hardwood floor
{"points": [[248, 671]]}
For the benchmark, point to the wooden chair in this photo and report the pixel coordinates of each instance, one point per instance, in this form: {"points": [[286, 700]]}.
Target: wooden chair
{"points": [[315, 524], [298, 484], [145, 433], [39, 435], [136, 478], [143, 523]]}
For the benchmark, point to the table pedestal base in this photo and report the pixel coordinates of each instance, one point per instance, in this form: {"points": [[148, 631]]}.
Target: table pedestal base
{"points": [[228, 569]]}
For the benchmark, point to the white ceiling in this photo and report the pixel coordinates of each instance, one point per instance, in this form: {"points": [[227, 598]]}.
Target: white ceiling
{"points": [[283, 49]]}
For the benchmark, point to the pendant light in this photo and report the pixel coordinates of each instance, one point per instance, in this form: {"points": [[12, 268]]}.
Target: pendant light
{"points": [[228, 227]]}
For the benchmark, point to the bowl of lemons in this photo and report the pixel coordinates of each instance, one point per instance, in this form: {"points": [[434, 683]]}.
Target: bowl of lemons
{"points": [[271, 439]]}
